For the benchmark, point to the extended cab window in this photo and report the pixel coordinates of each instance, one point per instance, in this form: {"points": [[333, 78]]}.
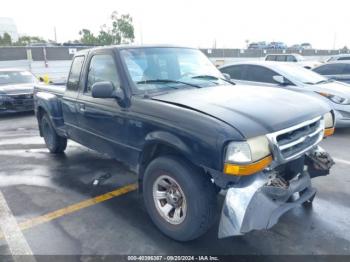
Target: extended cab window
{"points": [[102, 68], [74, 75]]}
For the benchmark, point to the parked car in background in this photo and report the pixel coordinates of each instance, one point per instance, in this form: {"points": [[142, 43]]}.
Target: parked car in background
{"points": [[306, 46], [338, 70], [294, 77], [294, 58], [295, 47], [340, 57], [16, 90], [168, 114], [276, 45], [258, 45]]}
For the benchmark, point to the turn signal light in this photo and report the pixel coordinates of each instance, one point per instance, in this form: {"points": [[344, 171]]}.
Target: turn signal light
{"points": [[249, 169], [329, 131]]}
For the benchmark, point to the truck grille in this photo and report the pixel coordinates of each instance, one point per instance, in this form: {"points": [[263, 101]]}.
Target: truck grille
{"points": [[18, 101], [292, 142]]}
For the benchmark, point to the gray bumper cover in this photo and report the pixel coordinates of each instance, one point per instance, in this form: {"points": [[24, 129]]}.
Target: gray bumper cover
{"points": [[254, 205]]}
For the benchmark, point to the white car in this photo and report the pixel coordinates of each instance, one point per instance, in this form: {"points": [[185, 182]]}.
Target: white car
{"points": [[292, 58], [340, 57], [296, 78]]}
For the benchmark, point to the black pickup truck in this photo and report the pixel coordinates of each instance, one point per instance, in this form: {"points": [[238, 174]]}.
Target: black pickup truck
{"points": [[188, 133]]}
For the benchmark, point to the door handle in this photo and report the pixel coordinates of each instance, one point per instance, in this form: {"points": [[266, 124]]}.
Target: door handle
{"points": [[81, 107]]}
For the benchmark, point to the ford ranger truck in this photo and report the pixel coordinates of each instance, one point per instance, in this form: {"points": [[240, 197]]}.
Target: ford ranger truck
{"points": [[188, 133]]}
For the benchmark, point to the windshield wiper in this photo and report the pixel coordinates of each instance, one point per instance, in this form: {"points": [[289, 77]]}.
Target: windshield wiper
{"points": [[213, 77], [152, 81]]}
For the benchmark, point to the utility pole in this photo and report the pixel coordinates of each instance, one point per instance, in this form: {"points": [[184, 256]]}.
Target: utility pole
{"points": [[334, 40], [55, 34]]}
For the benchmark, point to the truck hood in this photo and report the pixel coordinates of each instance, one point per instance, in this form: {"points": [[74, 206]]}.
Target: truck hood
{"points": [[251, 110], [14, 89]]}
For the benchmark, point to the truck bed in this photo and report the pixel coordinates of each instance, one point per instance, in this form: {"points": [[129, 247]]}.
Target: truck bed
{"points": [[57, 89]]}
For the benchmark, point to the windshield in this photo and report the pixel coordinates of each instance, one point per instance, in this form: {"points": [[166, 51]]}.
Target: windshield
{"points": [[301, 74], [16, 77], [182, 67]]}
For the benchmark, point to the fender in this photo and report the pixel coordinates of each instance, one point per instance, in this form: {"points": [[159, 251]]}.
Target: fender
{"points": [[169, 139], [162, 138], [51, 104]]}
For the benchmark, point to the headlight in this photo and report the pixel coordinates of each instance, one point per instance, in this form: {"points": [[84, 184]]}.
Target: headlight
{"points": [[328, 120], [249, 157], [339, 99], [328, 124], [336, 99]]}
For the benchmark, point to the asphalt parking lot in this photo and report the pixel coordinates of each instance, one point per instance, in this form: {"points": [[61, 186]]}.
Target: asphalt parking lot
{"points": [[60, 210]]}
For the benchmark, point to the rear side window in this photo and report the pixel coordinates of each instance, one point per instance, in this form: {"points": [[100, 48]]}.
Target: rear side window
{"points": [[291, 58], [259, 74], [271, 58], [346, 69], [331, 69], [281, 58], [102, 68], [75, 71], [235, 72], [344, 58]]}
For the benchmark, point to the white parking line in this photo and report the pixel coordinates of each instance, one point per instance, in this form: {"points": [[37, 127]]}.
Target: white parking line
{"points": [[13, 234], [338, 160]]}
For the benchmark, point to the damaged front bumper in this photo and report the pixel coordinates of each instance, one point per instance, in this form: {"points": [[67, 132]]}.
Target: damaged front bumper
{"points": [[260, 200]]}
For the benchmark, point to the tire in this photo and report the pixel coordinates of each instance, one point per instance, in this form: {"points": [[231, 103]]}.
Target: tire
{"points": [[55, 143], [197, 191]]}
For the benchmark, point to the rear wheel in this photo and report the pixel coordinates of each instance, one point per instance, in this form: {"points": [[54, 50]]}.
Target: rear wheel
{"points": [[180, 199], [55, 143]]}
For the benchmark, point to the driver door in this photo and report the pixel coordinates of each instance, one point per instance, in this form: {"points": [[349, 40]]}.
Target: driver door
{"points": [[101, 120]]}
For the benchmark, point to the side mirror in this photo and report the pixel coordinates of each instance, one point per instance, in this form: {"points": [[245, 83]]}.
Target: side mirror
{"points": [[280, 79], [106, 89], [227, 76]]}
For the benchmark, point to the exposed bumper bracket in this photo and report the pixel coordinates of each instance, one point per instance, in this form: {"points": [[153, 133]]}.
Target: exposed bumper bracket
{"points": [[259, 203]]}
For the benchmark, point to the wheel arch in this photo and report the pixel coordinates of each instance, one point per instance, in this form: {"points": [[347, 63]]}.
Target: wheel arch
{"points": [[49, 103], [162, 144]]}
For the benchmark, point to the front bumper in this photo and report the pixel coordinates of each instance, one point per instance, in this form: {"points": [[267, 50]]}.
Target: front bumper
{"points": [[258, 206], [342, 116], [15, 104], [258, 202]]}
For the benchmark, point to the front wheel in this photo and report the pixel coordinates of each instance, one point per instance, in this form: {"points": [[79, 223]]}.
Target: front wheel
{"points": [[55, 143], [180, 199]]}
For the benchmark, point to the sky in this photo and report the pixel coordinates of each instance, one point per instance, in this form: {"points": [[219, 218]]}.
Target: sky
{"points": [[229, 23]]}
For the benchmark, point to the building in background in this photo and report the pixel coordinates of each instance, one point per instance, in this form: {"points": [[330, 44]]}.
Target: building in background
{"points": [[7, 25]]}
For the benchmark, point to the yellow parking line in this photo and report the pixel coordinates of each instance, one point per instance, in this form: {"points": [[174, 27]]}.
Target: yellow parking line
{"points": [[75, 207]]}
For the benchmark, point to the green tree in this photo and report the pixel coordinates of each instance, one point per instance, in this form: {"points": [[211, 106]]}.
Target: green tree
{"points": [[87, 37], [121, 31], [5, 40], [26, 40], [122, 28], [105, 37]]}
